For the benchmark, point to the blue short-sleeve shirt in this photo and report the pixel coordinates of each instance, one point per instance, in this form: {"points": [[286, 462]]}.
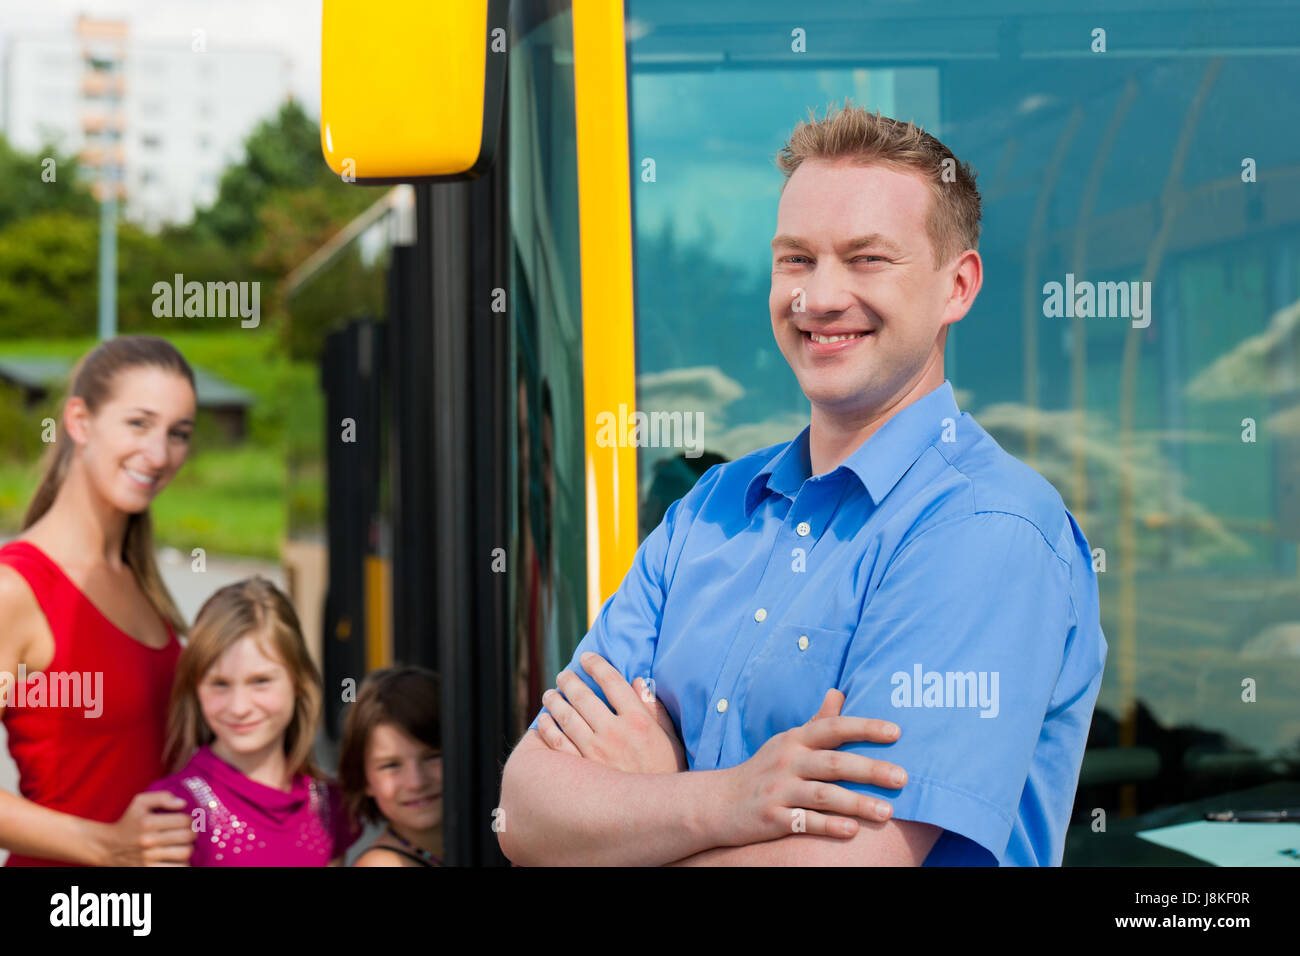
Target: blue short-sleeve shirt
{"points": [[934, 579]]}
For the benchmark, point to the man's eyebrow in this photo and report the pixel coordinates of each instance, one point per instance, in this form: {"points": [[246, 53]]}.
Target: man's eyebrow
{"points": [[873, 239]]}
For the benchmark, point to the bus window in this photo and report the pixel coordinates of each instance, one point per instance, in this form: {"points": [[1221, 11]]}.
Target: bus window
{"points": [[549, 515], [1117, 168]]}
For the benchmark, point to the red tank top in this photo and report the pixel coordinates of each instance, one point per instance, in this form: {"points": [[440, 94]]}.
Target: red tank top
{"points": [[88, 732]]}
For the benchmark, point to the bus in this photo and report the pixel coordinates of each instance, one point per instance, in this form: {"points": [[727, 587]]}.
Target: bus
{"points": [[574, 200]]}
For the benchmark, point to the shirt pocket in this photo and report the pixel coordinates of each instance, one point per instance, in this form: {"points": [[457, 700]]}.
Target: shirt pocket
{"points": [[788, 678]]}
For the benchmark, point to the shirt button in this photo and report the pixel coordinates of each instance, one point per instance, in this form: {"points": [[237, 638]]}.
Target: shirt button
{"points": [[802, 529], [760, 615], [803, 642], [722, 705]]}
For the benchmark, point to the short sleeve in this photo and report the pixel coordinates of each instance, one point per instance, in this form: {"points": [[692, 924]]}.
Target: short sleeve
{"points": [[961, 646], [626, 630]]}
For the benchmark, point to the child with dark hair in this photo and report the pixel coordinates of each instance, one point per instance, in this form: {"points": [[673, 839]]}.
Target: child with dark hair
{"points": [[390, 767]]}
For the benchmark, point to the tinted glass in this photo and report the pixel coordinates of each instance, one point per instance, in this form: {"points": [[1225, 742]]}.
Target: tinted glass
{"points": [[549, 537], [1170, 424]]}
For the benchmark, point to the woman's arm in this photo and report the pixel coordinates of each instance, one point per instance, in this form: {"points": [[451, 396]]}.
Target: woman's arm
{"points": [[26, 828], [29, 829]]}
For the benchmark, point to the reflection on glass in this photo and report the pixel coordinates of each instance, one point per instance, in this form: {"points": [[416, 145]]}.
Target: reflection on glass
{"points": [[1176, 443], [549, 533]]}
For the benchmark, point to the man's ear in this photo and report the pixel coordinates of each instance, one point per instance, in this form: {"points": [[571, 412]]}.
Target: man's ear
{"points": [[968, 278], [76, 419]]}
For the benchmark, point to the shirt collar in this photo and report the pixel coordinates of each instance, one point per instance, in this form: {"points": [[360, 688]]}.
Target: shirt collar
{"points": [[785, 472], [879, 462]]}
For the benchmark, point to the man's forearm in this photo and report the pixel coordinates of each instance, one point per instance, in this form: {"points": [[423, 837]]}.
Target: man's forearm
{"points": [[895, 843], [562, 810], [802, 849], [782, 852]]}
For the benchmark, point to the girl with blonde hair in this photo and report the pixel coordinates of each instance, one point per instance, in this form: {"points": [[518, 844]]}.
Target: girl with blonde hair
{"points": [[243, 718]]}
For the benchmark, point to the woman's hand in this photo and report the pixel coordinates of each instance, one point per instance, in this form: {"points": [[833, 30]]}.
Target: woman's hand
{"points": [[143, 837], [637, 737]]}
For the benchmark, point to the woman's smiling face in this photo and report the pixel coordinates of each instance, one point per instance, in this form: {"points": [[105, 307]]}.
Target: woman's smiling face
{"points": [[134, 443]]}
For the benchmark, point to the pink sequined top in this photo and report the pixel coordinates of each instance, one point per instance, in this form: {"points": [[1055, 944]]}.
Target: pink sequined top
{"points": [[246, 823]]}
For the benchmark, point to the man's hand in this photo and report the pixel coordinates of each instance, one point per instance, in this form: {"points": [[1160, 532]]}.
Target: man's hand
{"points": [[638, 737], [780, 789]]}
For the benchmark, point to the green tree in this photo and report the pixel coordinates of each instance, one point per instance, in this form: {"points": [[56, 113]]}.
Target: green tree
{"points": [[49, 276], [281, 154], [25, 189]]}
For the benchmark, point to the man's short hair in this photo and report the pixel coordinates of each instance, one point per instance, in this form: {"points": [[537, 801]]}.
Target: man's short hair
{"points": [[871, 139]]}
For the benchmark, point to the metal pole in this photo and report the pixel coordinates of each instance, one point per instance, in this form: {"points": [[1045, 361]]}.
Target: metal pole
{"points": [[108, 262]]}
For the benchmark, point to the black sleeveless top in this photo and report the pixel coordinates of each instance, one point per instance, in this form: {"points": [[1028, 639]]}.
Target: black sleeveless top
{"points": [[409, 855]]}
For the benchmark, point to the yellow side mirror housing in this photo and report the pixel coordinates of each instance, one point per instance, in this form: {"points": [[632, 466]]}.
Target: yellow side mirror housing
{"points": [[412, 90]]}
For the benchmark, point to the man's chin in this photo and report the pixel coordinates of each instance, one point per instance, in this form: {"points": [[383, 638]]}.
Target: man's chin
{"points": [[838, 404], [838, 398]]}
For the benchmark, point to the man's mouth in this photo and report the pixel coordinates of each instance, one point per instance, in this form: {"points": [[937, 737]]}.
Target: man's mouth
{"points": [[827, 339], [820, 344]]}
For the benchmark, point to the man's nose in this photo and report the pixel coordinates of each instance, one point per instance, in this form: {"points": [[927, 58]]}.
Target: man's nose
{"points": [[825, 290]]}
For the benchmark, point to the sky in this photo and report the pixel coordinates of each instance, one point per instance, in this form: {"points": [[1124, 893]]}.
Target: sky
{"points": [[289, 26]]}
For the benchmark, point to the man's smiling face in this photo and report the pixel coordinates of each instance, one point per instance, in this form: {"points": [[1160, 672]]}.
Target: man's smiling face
{"points": [[854, 240]]}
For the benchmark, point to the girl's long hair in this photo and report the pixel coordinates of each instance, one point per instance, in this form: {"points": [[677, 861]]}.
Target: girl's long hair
{"points": [[253, 607], [93, 380]]}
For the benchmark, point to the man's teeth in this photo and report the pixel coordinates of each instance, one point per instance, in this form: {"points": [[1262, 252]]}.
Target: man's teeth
{"points": [[822, 339]]}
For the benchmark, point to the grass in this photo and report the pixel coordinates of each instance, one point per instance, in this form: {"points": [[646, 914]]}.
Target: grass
{"points": [[231, 499]]}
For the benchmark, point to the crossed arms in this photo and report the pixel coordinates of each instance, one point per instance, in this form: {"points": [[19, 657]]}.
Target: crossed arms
{"points": [[597, 786]]}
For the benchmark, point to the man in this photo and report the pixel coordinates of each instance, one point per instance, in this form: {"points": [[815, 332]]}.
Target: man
{"points": [[892, 563]]}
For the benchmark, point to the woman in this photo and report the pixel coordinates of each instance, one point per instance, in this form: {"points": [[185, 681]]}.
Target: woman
{"points": [[88, 647]]}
